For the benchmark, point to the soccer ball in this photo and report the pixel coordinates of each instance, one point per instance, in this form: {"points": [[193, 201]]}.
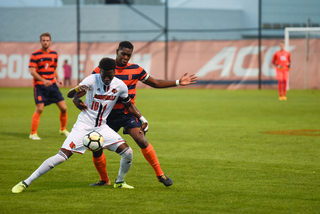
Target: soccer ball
{"points": [[93, 141]]}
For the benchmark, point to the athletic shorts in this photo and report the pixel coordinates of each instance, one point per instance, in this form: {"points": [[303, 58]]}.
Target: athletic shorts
{"points": [[117, 119], [282, 75], [47, 95], [74, 141]]}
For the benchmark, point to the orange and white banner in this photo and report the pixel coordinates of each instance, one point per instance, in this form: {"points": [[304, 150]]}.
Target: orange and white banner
{"points": [[218, 64]]}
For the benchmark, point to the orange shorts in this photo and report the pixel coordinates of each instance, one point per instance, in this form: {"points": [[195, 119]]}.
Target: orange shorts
{"points": [[282, 75]]}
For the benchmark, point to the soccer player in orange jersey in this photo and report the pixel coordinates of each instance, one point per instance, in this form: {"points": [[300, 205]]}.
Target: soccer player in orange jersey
{"points": [[130, 74], [42, 66], [281, 59]]}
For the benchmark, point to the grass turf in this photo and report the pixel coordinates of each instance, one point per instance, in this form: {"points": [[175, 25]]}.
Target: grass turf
{"points": [[212, 143]]}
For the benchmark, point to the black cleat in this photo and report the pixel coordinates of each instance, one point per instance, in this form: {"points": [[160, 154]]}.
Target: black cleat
{"points": [[165, 180], [101, 183]]}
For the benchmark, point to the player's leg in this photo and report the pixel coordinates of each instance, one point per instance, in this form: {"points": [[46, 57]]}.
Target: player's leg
{"points": [[35, 121], [280, 83], [149, 154], [63, 117], [114, 142], [39, 92], [99, 161], [285, 82], [125, 164], [46, 166]]}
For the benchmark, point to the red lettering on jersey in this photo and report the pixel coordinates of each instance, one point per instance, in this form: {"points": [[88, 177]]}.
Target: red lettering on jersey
{"points": [[104, 97]]}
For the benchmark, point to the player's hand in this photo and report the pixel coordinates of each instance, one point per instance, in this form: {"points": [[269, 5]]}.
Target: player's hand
{"points": [[79, 104], [145, 127], [47, 83], [186, 80], [60, 82], [145, 124]]}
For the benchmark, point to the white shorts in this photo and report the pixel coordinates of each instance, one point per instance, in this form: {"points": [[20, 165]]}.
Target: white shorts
{"points": [[74, 143]]}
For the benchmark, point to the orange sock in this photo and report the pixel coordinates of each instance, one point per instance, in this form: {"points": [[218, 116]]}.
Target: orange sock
{"points": [[101, 165], [150, 155], [63, 120], [35, 122]]}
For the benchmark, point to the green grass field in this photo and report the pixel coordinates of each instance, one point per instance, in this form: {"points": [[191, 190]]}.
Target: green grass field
{"points": [[212, 143]]}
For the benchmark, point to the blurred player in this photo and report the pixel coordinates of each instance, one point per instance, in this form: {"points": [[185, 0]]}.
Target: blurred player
{"points": [[42, 66], [103, 91], [281, 59], [67, 73], [130, 74]]}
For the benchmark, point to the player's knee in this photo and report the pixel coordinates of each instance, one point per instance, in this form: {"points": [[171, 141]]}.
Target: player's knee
{"points": [[127, 155]]}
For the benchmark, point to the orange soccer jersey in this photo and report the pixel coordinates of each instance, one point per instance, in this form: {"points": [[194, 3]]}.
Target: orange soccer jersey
{"points": [[130, 74], [45, 64], [282, 58]]}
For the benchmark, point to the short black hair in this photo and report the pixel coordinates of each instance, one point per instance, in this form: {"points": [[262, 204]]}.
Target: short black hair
{"points": [[107, 64], [125, 44]]}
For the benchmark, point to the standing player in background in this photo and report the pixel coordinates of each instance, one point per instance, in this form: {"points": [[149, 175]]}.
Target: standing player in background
{"points": [[67, 73], [103, 91], [281, 60], [130, 74], [42, 66]]}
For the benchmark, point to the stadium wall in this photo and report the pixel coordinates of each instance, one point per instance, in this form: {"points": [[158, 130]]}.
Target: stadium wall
{"points": [[218, 64]]}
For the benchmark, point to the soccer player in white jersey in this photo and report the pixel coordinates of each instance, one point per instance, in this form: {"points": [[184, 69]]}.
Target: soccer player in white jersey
{"points": [[103, 91]]}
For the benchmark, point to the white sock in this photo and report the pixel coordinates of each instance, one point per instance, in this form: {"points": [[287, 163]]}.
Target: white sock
{"points": [[46, 166], [125, 164]]}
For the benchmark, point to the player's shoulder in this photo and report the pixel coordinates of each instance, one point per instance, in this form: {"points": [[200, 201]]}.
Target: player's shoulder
{"points": [[37, 52], [118, 82], [132, 66], [52, 52]]}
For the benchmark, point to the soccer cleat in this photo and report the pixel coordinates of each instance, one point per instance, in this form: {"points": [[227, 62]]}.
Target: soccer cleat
{"points": [[101, 183], [123, 185], [280, 98], [34, 136], [64, 132], [165, 180], [284, 98], [19, 187]]}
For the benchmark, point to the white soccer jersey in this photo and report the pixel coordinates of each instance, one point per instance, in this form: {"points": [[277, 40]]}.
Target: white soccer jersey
{"points": [[101, 98], [100, 101]]}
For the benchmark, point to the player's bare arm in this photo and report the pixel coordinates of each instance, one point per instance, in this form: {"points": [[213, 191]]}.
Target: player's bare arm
{"points": [[33, 72], [76, 93], [57, 77], [183, 81], [135, 112]]}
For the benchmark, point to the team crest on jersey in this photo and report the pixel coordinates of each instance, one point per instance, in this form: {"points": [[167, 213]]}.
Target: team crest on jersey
{"points": [[114, 90], [130, 77], [72, 145]]}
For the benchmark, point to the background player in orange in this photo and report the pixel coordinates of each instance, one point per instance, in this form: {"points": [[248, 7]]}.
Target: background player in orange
{"points": [[42, 66], [130, 74], [281, 59]]}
